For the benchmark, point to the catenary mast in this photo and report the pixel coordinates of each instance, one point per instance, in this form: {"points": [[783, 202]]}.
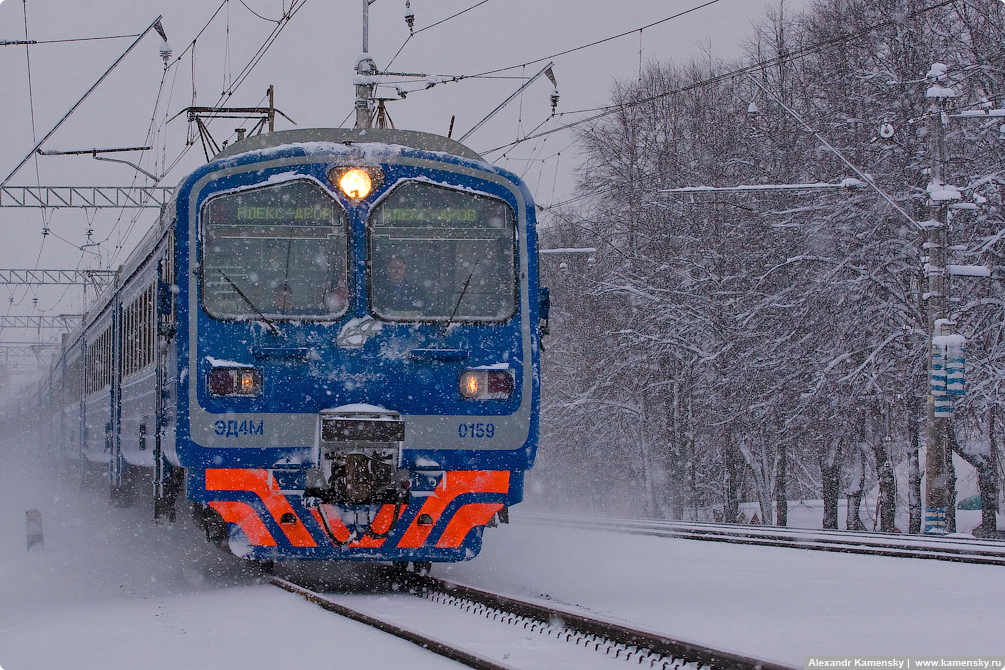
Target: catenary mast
{"points": [[366, 74]]}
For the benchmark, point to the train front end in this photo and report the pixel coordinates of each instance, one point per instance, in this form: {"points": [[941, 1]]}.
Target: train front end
{"points": [[357, 346]]}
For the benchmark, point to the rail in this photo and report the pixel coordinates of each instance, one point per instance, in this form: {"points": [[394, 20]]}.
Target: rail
{"points": [[433, 645], [942, 548], [643, 648]]}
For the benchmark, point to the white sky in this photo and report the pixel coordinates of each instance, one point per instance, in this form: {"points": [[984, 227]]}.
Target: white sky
{"points": [[311, 65]]}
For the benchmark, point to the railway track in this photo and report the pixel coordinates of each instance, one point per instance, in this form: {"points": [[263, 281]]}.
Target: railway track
{"points": [[958, 549], [457, 621]]}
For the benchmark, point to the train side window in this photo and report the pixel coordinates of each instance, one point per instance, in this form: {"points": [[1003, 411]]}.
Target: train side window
{"points": [[137, 332], [279, 250], [98, 362], [437, 253]]}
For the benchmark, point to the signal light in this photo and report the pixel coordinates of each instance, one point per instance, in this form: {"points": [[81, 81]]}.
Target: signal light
{"points": [[245, 382], [487, 384]]}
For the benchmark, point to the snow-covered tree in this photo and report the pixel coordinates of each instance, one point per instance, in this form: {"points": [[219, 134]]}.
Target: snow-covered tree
{"points": [[764, 345]]}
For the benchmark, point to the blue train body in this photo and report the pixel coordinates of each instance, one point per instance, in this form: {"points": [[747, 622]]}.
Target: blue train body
{"points": [[326, 373]]}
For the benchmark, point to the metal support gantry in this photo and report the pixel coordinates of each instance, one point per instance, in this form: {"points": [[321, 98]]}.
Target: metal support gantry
{"points": [[105, 197], [61, 321], [25, 350], [97, 278]]}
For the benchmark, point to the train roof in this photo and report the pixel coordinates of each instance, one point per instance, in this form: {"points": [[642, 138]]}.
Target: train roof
{"points": [[407, 138]]}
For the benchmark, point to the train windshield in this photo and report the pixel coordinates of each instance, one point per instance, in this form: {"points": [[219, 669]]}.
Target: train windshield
{"points": [[438, 254], [278, 251]]}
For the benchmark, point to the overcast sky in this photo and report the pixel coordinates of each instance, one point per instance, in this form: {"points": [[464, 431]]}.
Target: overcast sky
{"points": [[311, 66]]}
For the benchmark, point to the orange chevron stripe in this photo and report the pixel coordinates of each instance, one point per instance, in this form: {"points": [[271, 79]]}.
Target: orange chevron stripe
{"points": [[456, 483], [334, 522], [467, 517], [247, 518], [261, 483], [380, 524]]}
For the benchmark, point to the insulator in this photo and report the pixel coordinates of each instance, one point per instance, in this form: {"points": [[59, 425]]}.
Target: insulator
{"points": [[409, 16], [554, 101]]}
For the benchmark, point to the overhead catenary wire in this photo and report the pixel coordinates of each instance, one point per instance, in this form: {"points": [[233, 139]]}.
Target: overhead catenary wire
{"points": [[505, 102], [259, 15], [201, 31], [176, 61], [31, 107], [489, 73], [288, 15], [600, 41], [796, 54], [837, 153], [150, 136], [153, 130], [79, 102], [433, 25], [246, 71], [26, 41], [269, 41], [452, 16]]}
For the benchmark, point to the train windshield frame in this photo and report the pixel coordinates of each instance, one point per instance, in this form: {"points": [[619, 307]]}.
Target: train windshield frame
{"points": [[279, 251], [436, 253]]}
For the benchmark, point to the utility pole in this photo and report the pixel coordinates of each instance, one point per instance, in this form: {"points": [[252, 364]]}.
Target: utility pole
{"points": [[939, 406], [272, 108], [946, 361], [366, 74]]}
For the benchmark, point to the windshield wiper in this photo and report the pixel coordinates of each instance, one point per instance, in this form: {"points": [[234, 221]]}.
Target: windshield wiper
{"points": [[464, 290], [264, 318]]}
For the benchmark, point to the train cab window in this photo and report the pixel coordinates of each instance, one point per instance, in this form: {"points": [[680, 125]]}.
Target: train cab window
{"points": [[439, 254], [279, 250]]}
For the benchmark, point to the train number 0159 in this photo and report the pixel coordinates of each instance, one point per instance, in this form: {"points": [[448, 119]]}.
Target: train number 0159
{"points": [[476, 430]]}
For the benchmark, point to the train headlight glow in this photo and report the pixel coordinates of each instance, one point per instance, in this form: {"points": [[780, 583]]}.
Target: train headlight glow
{"points": [[234, 381], [487, 384], [356, 183]]}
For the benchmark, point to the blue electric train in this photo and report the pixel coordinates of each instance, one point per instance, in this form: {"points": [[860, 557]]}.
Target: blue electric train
{"points": [[328, 344]]}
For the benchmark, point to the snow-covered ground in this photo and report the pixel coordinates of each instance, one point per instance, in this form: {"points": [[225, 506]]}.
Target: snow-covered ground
{"points": [[111, 590], [771, 603]]}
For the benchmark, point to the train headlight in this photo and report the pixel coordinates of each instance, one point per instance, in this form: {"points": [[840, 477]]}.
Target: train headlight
{"points": [[234, 381], [356, 182], [487, 384]]}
